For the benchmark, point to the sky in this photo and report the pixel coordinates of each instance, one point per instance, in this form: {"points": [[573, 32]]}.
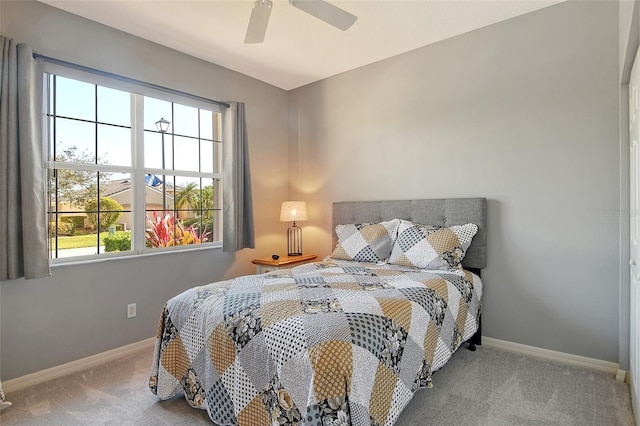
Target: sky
{"points": [[78, 99]]}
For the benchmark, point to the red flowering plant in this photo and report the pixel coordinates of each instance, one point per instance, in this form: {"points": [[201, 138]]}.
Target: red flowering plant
{"points": [[165, 231]]}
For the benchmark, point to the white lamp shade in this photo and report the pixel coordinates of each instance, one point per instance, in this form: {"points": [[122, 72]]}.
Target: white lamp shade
{"points": [[293, 211]]}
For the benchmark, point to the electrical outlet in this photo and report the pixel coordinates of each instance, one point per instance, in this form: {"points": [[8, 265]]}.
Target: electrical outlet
{"points": [[131, 310]]}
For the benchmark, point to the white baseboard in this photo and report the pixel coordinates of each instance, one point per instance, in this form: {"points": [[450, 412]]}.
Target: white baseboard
{"points": [[579, 361], [16, 384], [38, 377], [622, 376]]}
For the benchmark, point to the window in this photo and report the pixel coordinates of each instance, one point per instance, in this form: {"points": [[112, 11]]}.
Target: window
{"points": [[130, 169]]}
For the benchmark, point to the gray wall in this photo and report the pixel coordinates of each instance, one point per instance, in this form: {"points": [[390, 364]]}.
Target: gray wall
{"points": [[81, 310], [525, 113]]}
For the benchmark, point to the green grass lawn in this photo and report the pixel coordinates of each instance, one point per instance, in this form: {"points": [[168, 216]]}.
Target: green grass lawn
{"points": [[79, 241]]}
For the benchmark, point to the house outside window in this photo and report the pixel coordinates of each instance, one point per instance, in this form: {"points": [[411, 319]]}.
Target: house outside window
{"points": [[131, 169]]}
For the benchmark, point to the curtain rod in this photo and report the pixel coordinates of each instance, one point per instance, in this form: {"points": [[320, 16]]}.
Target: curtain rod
{"points": [[125, 79]]}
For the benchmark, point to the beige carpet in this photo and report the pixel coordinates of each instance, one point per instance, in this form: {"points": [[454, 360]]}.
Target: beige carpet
{"points": [[486, 387]]}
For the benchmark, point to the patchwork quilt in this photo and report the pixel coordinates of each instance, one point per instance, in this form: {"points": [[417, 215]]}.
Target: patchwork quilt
{"points": [[327, 343]]}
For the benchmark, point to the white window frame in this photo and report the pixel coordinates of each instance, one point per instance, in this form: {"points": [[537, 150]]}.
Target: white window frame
{"points": [[137, 170]]}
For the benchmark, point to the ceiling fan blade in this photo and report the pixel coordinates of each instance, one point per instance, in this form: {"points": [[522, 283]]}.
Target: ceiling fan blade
{"points": [[258, 21], [326, 12]]}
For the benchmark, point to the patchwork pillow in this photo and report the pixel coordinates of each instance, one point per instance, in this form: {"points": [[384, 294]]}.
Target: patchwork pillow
{"points": [[366, 242], [431, 247]]}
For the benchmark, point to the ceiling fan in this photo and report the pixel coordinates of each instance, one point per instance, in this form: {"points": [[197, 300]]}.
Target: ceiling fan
{"points": [[320, 9]]}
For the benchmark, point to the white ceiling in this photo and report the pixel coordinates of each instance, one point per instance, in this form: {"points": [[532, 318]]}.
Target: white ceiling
{"points": [[298, 49]]}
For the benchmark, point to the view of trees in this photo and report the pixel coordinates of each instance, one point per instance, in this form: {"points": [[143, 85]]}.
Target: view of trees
{"points": [[79, 188], [206, 203], [190, 197], [110, 212], [76, 187]]}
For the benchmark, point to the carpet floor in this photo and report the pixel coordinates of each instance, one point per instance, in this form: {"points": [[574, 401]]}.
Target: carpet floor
{"points": [[486, 387]]}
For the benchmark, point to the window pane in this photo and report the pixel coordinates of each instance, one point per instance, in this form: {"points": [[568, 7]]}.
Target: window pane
{"points": [[206, 124], [117, 186], [83, 243], [154, 110], [158, 196], [186, 120], [187, 196], [72, 189], [116, 213], [114, 145], [76, 141], [90, 211], [167, 152], [75, 216], [153, 152], [209, 189], [206, 208], [75, 99], [187, 220], [114, 106], [206, 156], [186, 154], [51, 142]]}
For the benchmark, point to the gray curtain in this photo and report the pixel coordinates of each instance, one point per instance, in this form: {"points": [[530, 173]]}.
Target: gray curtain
{"points": [[23, 227], [237, 202]]}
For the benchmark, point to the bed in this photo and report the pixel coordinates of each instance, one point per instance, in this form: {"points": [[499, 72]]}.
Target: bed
{"points": [[347, 340]]}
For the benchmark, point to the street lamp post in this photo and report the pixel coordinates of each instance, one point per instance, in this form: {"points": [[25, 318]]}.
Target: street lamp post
{"points": [[163, 125]]}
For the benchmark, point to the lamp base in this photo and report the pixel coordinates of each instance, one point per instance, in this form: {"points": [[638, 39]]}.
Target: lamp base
{"points": [[294, 241]]}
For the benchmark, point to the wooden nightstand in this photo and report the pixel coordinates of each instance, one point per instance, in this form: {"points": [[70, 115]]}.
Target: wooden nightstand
{"points": [[267, 264]]}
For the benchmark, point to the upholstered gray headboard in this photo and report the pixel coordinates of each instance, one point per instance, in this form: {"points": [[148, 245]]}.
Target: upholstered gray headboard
{"points": [[437, 212]]}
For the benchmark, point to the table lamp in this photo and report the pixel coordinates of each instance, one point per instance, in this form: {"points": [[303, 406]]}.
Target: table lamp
{"points": [[292, 211]]}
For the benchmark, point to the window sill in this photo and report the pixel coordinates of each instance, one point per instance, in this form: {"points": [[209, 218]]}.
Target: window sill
{"points": [[129, 255]]}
